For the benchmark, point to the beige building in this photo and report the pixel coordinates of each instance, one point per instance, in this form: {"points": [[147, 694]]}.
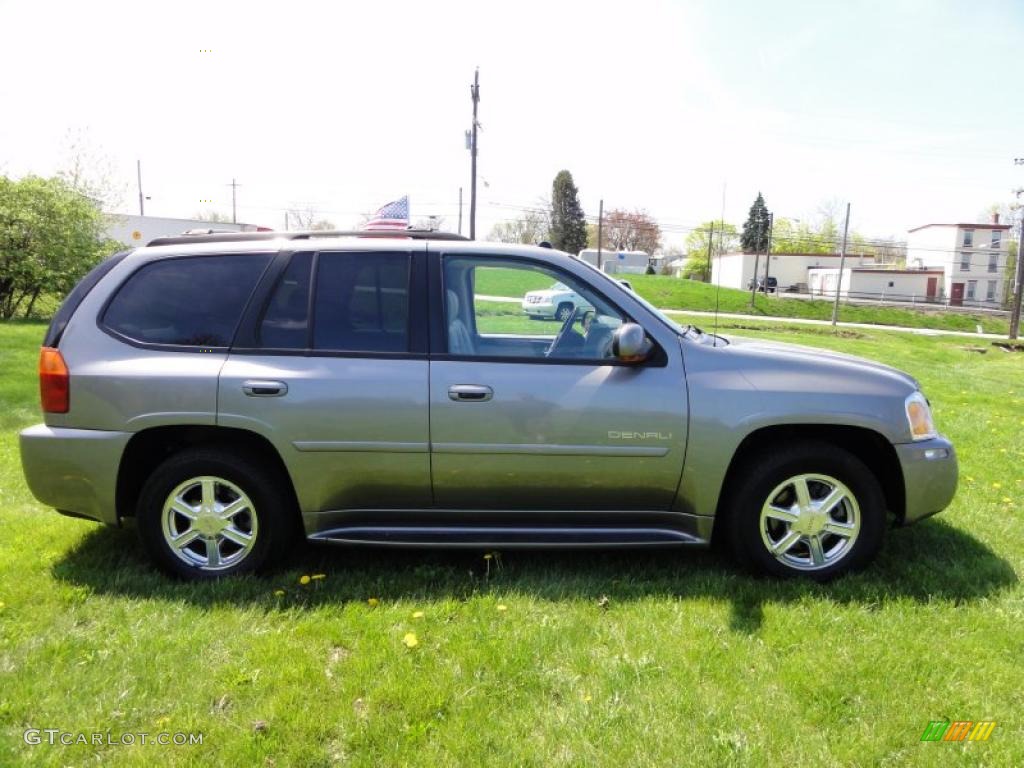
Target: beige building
{"points": [[736, 270], [972, 258]]}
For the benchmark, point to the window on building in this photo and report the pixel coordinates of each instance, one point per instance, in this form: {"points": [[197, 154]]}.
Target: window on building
{"points": [[972, 289], [362, 302], [997, 238], [192, 301], [990, 290], [993, 262], [968, 238], [965, 261]]}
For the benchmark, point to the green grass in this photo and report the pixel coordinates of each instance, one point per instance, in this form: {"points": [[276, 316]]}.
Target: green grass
{"points": [[617, 659]]}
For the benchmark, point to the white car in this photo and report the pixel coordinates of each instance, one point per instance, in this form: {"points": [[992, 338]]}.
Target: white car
{"points": [[556, 302]]}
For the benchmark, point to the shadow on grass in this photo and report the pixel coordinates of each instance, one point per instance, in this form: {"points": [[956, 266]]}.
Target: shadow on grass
{"points": [[928, 562]]}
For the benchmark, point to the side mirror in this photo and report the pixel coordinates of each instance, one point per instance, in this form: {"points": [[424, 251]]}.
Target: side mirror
{"points": [[630, 344]]}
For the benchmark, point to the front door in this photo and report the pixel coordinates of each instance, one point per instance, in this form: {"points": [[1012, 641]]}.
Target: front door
{"points": [[932, 289], [956, 294], [342, 395], [536, 414]]}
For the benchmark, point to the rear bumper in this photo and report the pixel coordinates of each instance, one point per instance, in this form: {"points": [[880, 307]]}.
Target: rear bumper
{"points": [[930, 475], [74, 470]]}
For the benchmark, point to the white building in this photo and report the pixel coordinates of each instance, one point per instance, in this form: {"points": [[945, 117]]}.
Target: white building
{"points": [[135, 230], [621, 262], [910, 285], [972, 257], [736, 270]]}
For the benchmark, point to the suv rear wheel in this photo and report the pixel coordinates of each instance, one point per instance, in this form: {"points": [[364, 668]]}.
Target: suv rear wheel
{"points": [[810, 509], [206, 513]]}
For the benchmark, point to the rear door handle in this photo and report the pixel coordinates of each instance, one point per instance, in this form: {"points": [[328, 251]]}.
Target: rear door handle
{"points": [[259, 388], [470, 393]]}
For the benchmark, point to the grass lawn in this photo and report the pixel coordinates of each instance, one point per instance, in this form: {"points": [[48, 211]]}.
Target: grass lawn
{"points": [[617, 659]]}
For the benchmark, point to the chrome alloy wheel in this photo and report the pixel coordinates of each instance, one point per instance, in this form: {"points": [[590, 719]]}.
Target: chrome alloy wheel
{"points": [[209, 523], [810, 522]]}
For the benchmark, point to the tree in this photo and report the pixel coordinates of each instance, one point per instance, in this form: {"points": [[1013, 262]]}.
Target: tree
{"points": [[528, 229], [755, 230], [726, 240], [50, 236], [568, 230], [631, 231], [306, 218], [89, 171], [211, 216]]}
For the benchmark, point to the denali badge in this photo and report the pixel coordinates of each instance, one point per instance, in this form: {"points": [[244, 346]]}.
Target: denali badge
{"points": [[639, 435]]}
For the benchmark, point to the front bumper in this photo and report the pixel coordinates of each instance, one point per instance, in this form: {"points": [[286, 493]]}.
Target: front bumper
{"points": [[74, 470], [930, 475], [538, 310]]}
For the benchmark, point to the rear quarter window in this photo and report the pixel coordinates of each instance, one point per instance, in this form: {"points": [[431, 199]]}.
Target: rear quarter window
{"points": [[78, 293], [190, 301]]}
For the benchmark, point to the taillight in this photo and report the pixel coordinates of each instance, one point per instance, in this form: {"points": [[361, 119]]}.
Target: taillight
{"points": [[53, 381]]}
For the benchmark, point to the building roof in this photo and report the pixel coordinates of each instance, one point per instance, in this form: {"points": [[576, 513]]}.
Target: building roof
{"points": [[989, 225]]}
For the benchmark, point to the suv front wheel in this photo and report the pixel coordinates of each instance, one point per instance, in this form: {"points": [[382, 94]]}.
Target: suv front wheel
{"points": [[810, 509], [207, 513]]}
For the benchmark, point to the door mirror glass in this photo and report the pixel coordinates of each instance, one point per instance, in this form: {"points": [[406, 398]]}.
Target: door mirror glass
{"points": [[630, 344]]}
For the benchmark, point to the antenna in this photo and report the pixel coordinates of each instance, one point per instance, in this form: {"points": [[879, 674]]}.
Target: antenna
{"points": [[718, 281]]}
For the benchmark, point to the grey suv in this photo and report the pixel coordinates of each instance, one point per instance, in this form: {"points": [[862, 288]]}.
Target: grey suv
{"points": [[230, 392]]}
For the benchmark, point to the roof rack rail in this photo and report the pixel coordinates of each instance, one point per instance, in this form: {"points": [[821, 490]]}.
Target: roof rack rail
{"points": [[229, 237]]}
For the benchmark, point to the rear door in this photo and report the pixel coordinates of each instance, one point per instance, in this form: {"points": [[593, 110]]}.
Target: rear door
{"points": [[331, 367], [538, 415]]}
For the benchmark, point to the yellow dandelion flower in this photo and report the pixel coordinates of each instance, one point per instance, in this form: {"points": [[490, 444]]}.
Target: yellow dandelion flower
{"points": [[997, 485], [278, 593], [318, 576], [418, 615], [586, 697], [970, 479], [410, 640], [1007, 500], [373, 602], [1002, 450], [304, 579], [502, 607]]}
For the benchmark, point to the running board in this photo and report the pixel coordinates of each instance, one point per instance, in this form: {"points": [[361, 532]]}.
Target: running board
{"points": [[506, 536]]}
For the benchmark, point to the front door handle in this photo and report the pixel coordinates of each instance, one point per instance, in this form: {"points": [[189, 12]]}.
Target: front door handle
{"points": [[259, 388], [470, 393]]}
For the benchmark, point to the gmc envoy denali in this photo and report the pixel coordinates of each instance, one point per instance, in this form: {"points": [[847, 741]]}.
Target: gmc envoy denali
{"points": [[232, 391]]}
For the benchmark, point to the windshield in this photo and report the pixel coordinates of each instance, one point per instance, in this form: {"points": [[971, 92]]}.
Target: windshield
{"points": [[559, 287]]}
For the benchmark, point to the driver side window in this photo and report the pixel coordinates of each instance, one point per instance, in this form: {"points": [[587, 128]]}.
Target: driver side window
{"points": [[497, 307]]}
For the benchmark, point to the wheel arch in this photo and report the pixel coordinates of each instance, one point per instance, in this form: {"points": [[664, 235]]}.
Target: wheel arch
{"points": [[871, 447], [148, 448]]}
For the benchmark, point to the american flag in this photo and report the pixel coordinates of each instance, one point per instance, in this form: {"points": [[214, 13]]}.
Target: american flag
{"points": [[394, 215]]}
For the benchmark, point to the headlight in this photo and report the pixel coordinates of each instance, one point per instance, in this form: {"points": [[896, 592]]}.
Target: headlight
{"points": [[919, 416]]}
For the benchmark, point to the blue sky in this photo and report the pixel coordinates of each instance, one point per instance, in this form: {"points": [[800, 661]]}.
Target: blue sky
{"points": [[905, 108]]}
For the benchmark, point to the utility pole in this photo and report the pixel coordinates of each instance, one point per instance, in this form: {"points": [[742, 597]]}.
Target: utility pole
{"points": [[757, 257], [711, 241], [600, 231], [460, 210], [475, 93], [768, 253], [842, 264], [234, 199], [138, 171], [1018, 275]]}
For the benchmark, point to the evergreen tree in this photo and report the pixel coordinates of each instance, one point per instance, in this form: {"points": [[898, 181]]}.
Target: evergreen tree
{"points": [[755, 230], [568, 225]]}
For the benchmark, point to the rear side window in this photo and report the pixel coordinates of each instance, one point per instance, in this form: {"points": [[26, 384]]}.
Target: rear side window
{"points": [[67, 309], [193, 301], [362, 302]]}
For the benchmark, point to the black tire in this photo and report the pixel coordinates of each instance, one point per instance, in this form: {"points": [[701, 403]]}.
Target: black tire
{"points": [[827, 464], [271, 516], [564, 310]]}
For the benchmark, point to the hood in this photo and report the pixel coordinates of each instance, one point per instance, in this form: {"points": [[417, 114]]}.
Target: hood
{"points": [[814, 357]]}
